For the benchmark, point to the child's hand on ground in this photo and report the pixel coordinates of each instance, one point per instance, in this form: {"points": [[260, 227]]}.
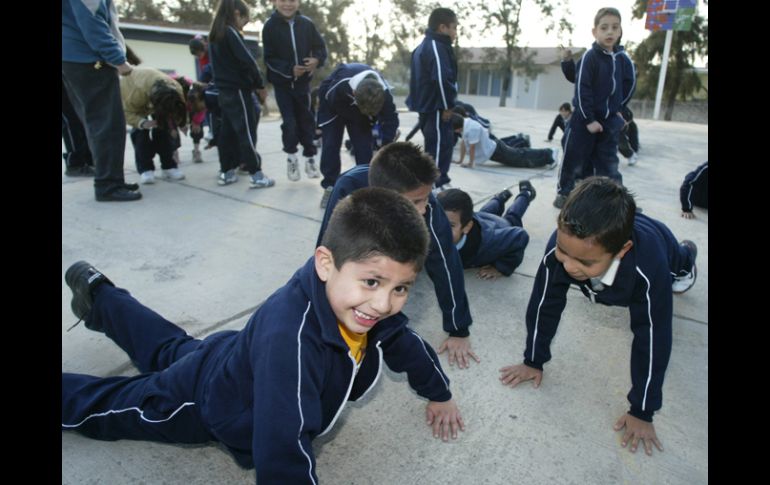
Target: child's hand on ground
{"points": [[488, 272], [688, 214], [459, 349], [444, 417], [594, 127], [637, 429], [516, 374]]}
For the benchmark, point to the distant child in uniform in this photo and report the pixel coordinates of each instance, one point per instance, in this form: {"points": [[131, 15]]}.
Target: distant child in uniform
{"points": [[695, 191], [561, 120], [433, 88], [616, 257], [293, 51], [604, 82], [266, 391], [487, 239]]}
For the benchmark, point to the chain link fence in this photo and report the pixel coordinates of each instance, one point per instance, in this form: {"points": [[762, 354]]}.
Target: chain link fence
{"points": [[686, 111]]}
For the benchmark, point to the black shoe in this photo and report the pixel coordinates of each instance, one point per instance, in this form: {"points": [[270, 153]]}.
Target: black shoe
{"points": [[84, 171], [503, 196], [559, 201], [526, 186], [131, 187], [82, 278], [119, 194]]}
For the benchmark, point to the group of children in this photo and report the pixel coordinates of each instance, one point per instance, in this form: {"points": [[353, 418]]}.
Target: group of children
{"points": [[268, 390]]}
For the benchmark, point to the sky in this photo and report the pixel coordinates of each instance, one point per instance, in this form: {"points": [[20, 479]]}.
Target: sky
{"points": [[582, 18]]}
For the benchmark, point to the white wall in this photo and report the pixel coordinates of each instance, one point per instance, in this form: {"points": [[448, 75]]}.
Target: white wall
{"points": [[554, 89], [163, 56]]}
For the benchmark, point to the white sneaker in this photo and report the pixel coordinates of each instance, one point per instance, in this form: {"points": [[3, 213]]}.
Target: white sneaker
{"points": [[311, 169], [196, 156], [292, 167], [325, 198], [684, 283], [632, 160], [173, 174], [147, 177], [260, 181]]}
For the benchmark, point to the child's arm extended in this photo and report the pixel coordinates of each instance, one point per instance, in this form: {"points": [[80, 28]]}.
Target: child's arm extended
{"points": [[408, 352]]}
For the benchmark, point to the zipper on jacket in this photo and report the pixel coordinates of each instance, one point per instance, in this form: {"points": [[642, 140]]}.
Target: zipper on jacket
{"points": [[591, 293], [345, 399], [294, 48]]}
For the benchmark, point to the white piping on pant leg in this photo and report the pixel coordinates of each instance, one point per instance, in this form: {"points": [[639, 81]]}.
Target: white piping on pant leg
{"points": [[246, 119], [133, 408], [438, 138], [561, 165]]}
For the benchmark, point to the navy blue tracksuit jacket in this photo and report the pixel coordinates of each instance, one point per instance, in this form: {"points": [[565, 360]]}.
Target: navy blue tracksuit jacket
{"points": [[337, 110], [286, 45], [433, 88], [502, 245], [642, 283], [604, 84], [443, 264], [695, 189], [265, 392]]}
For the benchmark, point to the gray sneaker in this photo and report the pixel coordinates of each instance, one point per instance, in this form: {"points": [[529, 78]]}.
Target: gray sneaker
{"points": [[260, 181], [227, 178], [292, 168], [311, 169], [325, 199], [559, 201]]}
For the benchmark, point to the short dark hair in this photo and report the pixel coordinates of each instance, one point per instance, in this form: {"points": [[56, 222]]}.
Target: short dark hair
{"points": [[456, 200], [565, 107], [604, 12], [601, 209], [373, 221], [460, 110], [441, 16], [168, 104], [457, 121], [197, 44], [369, 96], [402, 166]]}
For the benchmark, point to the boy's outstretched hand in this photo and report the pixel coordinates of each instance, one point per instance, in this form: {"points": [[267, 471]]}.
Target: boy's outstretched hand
{"points": [[444, 417], [637, 429], [459, 350], [516, 374]]}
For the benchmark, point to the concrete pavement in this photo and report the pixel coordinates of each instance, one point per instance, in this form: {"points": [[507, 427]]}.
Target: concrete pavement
{"points": [[206, 256]]}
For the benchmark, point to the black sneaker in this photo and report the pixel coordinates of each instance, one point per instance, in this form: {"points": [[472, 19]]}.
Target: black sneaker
{"points": [[82, 278], [119, 194], [132, 187], [84, 171], [526, 186], [559, 201], [503, 195]]}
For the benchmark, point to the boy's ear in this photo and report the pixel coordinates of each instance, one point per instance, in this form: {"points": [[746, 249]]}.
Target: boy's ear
{"points": [[467, 228], [624, 249], [324, 262]]}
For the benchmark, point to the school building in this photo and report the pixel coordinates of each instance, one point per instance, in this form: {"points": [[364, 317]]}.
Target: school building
{"points": [[165, 47], [479, 75]]}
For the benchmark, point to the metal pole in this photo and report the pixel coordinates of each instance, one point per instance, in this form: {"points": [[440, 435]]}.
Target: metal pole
{"points": [[662, 77]]}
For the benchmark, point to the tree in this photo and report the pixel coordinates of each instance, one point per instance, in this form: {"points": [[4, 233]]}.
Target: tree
{"points": [[505, 14], [681, 79], [147, 10]]}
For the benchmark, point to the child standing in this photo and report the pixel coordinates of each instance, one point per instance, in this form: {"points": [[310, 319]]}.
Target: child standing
{"points": [[433, 88], [604, 82], [616, 257], [487, 238], [293, 51], [267, 391], [354, 96], [236, 75]]}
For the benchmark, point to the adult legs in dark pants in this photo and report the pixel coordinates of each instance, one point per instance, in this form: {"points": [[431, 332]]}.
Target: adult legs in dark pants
{"points": [[95, 95], [77, 159], [439, 141], [156, 406]]}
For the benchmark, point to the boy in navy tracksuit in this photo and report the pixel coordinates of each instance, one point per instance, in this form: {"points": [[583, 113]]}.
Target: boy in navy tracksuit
{"points": [[618, 258], [268, 390], [293, 51], [403, 167], [433, 88], [487, 239], [605, 80], [354, 96], [695, 191]]}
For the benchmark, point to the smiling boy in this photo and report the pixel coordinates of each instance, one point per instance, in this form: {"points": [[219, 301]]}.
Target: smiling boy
{"points": [[618, 258], [268, 390]]}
